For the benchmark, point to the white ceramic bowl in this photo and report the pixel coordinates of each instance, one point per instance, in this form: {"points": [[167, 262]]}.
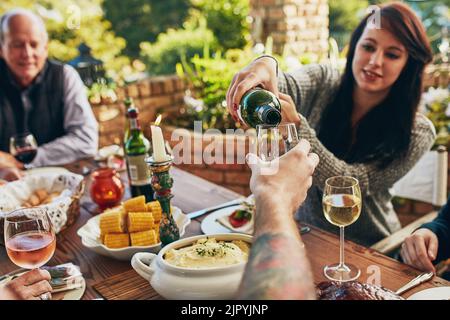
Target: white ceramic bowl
{"points": [[90, 234], [173, 282]]}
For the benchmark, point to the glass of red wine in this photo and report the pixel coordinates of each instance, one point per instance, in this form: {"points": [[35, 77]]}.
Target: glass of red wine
{"points": [[23, 147], [29, 237]]}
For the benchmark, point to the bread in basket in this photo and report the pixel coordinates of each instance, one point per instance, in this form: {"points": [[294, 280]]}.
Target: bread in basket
{"points": [[62, 202]]}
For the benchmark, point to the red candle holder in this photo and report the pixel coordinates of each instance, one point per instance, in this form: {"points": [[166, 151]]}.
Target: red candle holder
{"points": [[107, 189]]}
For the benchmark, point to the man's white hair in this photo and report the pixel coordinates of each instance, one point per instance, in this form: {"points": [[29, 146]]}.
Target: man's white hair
{"points": [[4, 22]]}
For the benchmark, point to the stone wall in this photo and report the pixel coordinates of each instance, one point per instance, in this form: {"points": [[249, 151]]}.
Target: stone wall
{"points": [[296, 26]]}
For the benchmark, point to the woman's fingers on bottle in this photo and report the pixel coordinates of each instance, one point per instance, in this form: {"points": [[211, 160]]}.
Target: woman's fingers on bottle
{"points": [[288, 110], [241, 87], [230, 95], [272, 87]]}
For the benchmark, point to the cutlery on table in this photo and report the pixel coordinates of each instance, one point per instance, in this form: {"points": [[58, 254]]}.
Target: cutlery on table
{"points": [[424, 277], [232, 203]]}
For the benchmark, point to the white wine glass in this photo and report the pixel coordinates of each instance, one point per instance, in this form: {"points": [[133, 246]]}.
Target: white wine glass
{"points": [[274, 141], [342, 206]]}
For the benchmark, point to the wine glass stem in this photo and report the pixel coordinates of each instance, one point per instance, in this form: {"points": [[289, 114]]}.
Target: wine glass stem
{"points": [[341, 247]]}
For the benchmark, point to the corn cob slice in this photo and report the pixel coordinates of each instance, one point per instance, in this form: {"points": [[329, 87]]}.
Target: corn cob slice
{"points": [[136, 204], [112, 221], [117, 240], [155, 209], [143, 238], [140, 221]]}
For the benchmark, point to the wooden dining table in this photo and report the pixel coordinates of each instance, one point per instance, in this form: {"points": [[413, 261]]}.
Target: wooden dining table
{"points": [[193, 193]]}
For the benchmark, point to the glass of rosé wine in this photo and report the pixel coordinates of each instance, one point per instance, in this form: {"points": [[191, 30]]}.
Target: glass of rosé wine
{"points": [[29, 237]]}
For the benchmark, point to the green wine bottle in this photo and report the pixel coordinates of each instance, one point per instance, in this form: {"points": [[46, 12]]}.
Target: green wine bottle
{"points": [[137, 149], [129, 104], [259, 106]]}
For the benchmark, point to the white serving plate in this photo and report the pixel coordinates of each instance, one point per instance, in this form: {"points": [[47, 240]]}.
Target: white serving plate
{"points": [[90, 233], [210, 225], [439, 293]]}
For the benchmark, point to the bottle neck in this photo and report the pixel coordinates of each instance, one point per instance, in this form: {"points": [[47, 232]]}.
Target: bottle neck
{"points": [[134, 124], [268, 115]]}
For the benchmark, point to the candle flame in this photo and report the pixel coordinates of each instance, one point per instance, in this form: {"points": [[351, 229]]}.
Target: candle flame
{"points": [[158, 120]]}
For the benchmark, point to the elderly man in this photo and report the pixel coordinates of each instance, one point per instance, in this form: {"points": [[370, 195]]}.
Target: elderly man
{"points": [[40, 96]]}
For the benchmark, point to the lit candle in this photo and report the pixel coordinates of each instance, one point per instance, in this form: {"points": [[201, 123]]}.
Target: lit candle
{"points": [[159, 150]]}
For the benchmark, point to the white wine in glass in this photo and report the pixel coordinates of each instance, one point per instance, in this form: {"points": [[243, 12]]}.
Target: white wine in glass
{"points": [[342, 206], [274, 141]]}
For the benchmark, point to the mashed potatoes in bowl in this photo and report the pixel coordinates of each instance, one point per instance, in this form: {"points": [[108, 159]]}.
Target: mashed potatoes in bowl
{"points": [[209, 253], [199, 267]]}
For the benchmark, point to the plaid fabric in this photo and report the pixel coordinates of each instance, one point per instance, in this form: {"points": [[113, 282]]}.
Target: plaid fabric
{"points": [[311, 88]]}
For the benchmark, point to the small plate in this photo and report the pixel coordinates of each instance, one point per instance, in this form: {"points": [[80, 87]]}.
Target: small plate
{"points": [[439, 293], [107, 151], [210, 225], [40, 170], [90, 232], [72, 294]]}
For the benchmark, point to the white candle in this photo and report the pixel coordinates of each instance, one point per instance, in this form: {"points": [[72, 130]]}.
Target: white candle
{"points": [[159, 150]]}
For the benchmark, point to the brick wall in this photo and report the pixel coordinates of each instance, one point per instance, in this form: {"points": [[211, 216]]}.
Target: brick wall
{"points": [[154, 95], [231, 173], [165, 95], [296, 26]]}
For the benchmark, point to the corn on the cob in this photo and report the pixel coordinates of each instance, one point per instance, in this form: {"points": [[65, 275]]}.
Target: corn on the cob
{"points": [[117, 240], [136, 204], [140, 221], [112, 221], [143, 238], [155, 209]]}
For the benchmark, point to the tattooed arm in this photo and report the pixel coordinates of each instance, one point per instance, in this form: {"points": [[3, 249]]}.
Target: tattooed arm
{"points": [[278, 267]]}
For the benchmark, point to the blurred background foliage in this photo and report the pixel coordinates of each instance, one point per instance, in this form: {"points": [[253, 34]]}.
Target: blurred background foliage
{"points": [[69, 23], [158, 32], [143, 20], [204, 41]]}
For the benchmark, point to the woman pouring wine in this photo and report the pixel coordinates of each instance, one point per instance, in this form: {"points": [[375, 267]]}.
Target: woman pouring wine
{"points": [[363, 123]]}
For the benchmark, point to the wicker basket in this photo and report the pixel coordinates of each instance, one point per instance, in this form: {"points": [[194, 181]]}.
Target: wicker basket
{"points": [[70, 208], [74, 209]]}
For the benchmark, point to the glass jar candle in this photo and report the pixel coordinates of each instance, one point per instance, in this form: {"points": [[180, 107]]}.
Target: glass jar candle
{"points": [[107, 189]]}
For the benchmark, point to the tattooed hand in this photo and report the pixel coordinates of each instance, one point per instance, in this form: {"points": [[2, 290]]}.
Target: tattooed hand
{"points": [[286, 179], [278, 267]]}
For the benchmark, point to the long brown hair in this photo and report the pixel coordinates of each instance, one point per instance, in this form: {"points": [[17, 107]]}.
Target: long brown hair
{"points": [[385, 131]]}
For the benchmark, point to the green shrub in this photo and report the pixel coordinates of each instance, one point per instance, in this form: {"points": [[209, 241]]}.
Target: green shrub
{"points": [[436, 105], [227, 19], [209, 77], [162, 56]]}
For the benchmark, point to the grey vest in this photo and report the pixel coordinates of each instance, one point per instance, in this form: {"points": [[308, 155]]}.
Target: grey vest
{"points": [[45, 120]]}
